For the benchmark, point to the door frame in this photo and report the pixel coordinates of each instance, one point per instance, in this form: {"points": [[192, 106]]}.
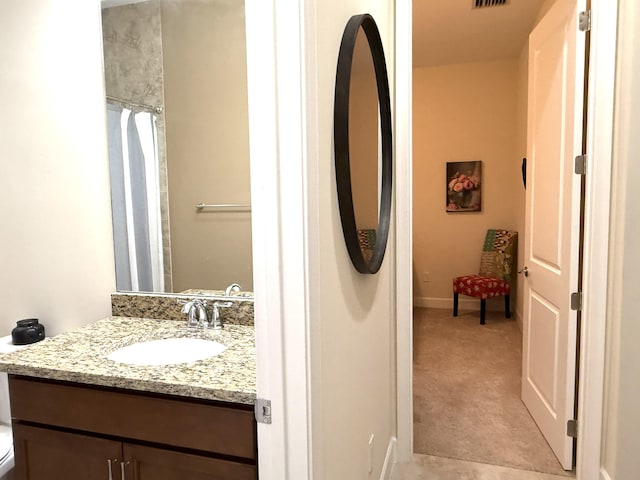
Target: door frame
{"points": [[404, 228], [602, 57], [281, 219], [600, 111]]}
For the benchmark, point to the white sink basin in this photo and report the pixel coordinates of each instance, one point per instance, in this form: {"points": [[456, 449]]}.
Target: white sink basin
{"points": [[168, 351]]}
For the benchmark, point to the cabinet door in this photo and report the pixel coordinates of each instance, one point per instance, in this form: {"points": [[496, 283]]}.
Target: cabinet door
{"points": [[145, 463], [43, 454]]}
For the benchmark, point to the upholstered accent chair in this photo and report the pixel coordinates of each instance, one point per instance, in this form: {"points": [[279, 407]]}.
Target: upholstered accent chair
{"points": [[494, 278], [367, 240]]}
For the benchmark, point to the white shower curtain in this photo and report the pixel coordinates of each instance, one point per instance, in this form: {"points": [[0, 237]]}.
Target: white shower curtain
{"points": [[135, 200]]}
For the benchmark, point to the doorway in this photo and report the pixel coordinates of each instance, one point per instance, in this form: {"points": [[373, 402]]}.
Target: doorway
{"points": [[602, 59], [470, 105]]}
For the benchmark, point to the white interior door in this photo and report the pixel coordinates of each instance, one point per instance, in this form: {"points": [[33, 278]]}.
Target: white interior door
{"points": [[554, 139]]}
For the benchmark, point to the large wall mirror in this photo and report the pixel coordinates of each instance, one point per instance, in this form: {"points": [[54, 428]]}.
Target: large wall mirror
{"points": [[363, 143], [175, 76]]}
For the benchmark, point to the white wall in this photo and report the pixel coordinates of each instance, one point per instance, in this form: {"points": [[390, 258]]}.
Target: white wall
{"points": [[622, 384], [355, 366], [56, 254]]}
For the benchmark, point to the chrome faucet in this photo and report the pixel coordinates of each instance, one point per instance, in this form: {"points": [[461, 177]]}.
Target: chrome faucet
{"points": [[196, 311], [233, 288]]}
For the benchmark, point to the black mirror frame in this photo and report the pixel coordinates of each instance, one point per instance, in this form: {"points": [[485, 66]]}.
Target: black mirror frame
{"points": [[341, 142]]}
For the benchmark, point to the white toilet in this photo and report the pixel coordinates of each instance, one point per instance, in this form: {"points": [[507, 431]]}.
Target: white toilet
{"points": [[6, 438]]}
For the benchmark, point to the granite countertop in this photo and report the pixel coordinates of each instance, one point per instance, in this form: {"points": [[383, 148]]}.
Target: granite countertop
{"points": [[81, 356]]}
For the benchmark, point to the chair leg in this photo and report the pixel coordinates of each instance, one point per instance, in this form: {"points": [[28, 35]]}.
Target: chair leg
{"points": [[455, 304], [483, 309], [507, 307]]}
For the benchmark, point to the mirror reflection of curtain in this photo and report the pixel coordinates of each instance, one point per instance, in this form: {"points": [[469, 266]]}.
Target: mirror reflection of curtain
{"points": [[135, 199]]}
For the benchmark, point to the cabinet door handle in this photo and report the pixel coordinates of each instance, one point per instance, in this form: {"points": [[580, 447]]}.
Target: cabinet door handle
{"points": [[122, 467], [110, 467]]}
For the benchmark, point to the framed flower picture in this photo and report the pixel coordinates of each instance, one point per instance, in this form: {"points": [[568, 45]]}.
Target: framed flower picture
{"points": [[464, 186]]}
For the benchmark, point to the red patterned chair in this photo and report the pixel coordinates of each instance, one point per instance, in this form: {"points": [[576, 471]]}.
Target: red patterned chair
{"points": [[367, 241], [494, 278]]}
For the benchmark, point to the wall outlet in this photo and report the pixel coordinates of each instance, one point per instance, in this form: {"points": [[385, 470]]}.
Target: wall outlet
{"points": [[371, 439], [426, 277]]}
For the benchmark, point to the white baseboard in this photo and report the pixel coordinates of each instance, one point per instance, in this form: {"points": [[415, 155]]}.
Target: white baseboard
{"points": [[473, 304], [389, 460], [604, 475]]}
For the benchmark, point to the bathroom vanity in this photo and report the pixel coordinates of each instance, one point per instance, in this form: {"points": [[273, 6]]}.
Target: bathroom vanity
{"points": [[78, 415]]}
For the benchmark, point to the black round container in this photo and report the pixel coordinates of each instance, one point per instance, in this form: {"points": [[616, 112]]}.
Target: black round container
{"points": [[27, 331]]}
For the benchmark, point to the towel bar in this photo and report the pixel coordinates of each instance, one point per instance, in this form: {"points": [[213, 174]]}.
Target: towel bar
{"points": [[234, 207]]}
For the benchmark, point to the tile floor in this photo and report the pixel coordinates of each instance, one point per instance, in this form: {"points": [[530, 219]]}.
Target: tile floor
{"points": [[427, 467]]}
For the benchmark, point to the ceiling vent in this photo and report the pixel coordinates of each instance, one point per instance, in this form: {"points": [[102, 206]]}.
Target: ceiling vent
{"points": [[488, 3]]}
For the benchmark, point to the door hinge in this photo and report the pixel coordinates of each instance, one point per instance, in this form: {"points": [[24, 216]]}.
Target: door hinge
{"points": [[262, 410], [584, 21], [576, 301], [580, 165], [572, 428]]}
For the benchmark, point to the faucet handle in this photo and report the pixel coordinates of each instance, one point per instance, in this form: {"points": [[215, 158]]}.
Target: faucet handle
{"points": [[187, 305], [216, 321], [189, 309]]}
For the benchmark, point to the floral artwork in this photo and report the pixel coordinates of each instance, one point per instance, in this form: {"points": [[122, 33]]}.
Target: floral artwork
{"points": [[463, 186]]}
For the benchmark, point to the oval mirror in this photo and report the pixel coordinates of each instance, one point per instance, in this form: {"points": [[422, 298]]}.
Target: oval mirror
{"points": [[363, 143]]}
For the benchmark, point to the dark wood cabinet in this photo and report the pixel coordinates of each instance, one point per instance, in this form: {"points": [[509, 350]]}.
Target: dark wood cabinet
{"points": [[145, 463], [71, 431], [43, 454]]}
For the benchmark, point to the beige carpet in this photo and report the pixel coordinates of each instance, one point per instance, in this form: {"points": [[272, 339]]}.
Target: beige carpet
{"points": [[467, 392]]}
